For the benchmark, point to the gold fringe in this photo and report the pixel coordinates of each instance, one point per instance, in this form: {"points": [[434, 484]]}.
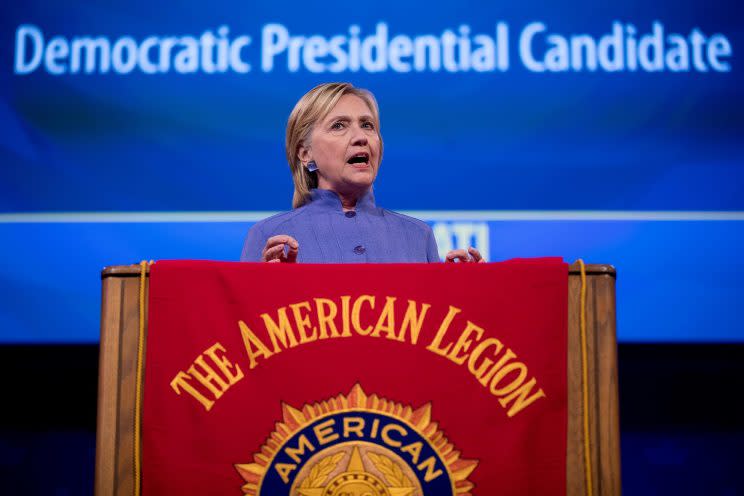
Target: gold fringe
{"points": [[585, 384]]}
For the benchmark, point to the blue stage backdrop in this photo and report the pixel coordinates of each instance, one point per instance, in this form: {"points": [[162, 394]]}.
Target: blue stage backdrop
{"points": [[146, 130]]}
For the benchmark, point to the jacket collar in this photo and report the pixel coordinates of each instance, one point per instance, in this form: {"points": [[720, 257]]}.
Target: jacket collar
{"points": [[330, 200]]}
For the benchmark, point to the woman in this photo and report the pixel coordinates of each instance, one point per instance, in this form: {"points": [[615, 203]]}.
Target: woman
{"points": [[334, 149]]}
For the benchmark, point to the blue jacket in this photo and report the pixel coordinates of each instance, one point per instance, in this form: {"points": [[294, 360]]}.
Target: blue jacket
{"points": [[327, 234]]}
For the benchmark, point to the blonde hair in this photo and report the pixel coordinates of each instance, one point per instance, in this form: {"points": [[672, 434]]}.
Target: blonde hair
{"points": [[313, 107]]}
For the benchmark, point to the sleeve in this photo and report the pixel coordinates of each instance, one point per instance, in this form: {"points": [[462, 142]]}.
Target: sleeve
{"points": [[432, 252], [254, 244]]}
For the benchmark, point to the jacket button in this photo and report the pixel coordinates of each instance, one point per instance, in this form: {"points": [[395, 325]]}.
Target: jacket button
{"points": [[359, 249], [350, 214]]}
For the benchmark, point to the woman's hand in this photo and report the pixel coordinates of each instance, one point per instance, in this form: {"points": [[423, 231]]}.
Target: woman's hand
{"points": [[470, 256], [273, 252]]}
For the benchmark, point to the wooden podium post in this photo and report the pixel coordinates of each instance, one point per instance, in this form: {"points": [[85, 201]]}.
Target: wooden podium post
{"points": [[117, 383]]}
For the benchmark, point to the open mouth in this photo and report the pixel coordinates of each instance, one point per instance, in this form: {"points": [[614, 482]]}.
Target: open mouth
{"points": [[359, 159]]}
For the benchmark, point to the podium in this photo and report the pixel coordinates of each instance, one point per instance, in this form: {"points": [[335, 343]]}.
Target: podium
{"points": [[592, 403]]}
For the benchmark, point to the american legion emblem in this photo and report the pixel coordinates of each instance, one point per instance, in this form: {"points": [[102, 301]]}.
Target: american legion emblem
{"points": [[357, 445]]}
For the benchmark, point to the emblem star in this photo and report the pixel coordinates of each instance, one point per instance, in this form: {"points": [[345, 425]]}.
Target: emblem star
{"points": [[356, 465]]}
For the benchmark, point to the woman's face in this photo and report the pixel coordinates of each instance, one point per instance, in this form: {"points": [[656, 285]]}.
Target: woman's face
{"points": [[346, 147]]}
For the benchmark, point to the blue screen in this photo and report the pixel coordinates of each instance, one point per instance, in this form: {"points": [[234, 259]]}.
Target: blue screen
{"points": [[145, 131]]}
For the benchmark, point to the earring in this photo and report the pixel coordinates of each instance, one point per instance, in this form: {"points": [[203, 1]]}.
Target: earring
{"points": [[312, 166]]}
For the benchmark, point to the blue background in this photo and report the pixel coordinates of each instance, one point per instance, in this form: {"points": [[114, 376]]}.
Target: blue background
{"points": [[475, 145]]}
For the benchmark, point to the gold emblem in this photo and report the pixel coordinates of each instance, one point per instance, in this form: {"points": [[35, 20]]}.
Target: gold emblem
{"points": [[354, 479], [357, 445]]}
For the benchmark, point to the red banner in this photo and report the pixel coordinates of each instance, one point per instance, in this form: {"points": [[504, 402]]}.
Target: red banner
{"points": [[384, 380]]}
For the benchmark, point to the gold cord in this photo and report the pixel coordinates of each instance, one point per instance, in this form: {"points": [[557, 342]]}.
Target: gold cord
{"points": [[138, 387], [585, 384]]}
